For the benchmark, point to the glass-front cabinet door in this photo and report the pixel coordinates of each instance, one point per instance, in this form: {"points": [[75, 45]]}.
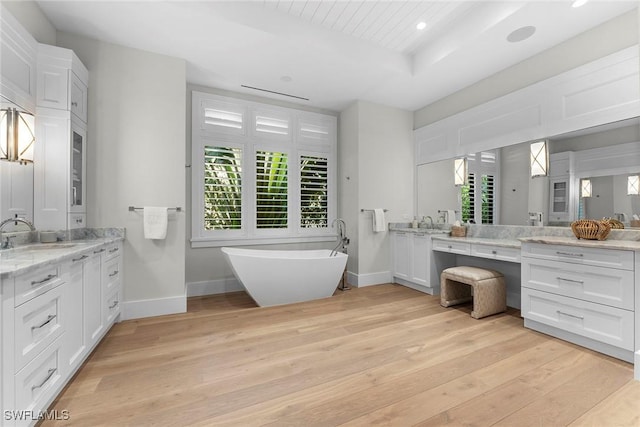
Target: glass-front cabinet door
{"points": [[78, 167]]}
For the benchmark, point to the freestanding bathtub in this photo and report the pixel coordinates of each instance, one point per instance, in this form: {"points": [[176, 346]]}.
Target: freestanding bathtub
{"points": [[283, 277]]}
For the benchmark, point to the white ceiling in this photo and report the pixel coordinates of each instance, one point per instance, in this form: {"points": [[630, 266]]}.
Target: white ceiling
{"points": [[334, 52]]}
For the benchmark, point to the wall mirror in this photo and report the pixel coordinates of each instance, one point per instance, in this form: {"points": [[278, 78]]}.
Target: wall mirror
{"points": [[518, 193], [16, 185]]}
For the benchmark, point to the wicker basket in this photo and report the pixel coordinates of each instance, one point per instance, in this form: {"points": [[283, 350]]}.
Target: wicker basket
{"points": [[458, 231], [614, 223], [590, 229]]}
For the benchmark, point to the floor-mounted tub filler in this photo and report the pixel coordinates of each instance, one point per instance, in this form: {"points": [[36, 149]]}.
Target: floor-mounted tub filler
{"points": [[284, 277]]}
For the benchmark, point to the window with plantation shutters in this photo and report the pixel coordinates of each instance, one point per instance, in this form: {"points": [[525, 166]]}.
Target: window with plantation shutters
{"points": [[222, 188], [314, 182], [272, 187], [478, 196], [261, 174]]}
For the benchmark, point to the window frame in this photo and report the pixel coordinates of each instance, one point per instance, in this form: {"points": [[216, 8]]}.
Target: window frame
{"points": [[295, 144]]}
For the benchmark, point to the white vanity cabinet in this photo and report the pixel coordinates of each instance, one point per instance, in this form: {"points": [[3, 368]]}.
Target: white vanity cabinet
{"points": [[413, 262], [33, 331], [52, 318], [581, 294], [61, 132]]}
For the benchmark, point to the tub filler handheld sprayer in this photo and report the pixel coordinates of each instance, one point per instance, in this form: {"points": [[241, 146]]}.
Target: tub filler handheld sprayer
{"points": [[343, 242]]}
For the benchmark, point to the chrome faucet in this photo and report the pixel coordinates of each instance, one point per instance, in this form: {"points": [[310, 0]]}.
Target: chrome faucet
{"points": [[343, 240], [7, 243]]}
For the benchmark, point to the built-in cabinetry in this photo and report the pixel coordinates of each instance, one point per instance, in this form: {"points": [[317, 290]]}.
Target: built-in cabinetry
{"points": [[52, 318], [581, 294], [18, 50], [603, 91], [60, 170], [413, 262], [561, 187]]}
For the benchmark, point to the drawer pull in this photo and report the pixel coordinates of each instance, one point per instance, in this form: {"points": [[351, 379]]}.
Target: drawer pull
{"points": [[420, 234], [99, 251], [114, 273], [49, 375], [570, 280], [46, 279], [450, 247], [113, 250], [569, 254], [80, 259], [570, 315], [115, 303], [45, 323], [494, 252]]}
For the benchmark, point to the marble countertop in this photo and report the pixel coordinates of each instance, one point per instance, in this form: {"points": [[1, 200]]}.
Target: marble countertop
{"points": [[505, 243], [23, 259], [629, 245]]}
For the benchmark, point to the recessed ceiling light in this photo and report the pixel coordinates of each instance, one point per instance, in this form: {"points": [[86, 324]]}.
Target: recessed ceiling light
{"points": [[578, 3], [521, 34], [421, 25], [286, 79]]}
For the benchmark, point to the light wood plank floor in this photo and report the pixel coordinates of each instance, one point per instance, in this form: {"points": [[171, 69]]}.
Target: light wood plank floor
{"points": [[381, 355]]}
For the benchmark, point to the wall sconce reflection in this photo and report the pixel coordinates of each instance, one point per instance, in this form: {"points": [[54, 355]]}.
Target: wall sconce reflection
{"points": [[633, 185], [539, 158], [585, 188], [460, 171], [17, 136]]}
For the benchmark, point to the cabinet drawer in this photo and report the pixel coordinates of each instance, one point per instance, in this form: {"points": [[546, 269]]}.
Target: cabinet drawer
{"points": [[37, 324], [496, 252], [30, 285], [38, 382], [596, 284], [111, 275], [612, 258], [602, 323], [461, 248], [112, 307], [112, 250]]}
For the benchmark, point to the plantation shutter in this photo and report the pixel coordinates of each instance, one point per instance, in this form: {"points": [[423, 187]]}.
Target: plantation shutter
{"points": [[222, 188], [468, 192], [314, 182], [271, 190], [488, 196]]}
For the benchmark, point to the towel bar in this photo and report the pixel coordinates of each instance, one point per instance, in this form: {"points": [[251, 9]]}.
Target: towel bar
{"points": [[371, 210], [133, 208]]}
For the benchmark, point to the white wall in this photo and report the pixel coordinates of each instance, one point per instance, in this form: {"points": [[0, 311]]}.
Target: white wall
{"points": [[136, 156], [610, 37], [436, 190], [514, 187], [377, 144], [29, 14]]}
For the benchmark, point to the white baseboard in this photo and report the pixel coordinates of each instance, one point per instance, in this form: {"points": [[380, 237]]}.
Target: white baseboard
{"points": [[153, 307], [212, 287], [369, 279]]}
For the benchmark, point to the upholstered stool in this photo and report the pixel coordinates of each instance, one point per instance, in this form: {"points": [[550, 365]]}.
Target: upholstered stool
{"points": [[489, 290]]}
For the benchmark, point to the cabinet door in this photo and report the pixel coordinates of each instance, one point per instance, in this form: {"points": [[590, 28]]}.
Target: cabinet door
{"points": [[560, 199], [53, 86], [51, 169], [78, 97], [75, 345], [420, 259], [78, 170], [93, 318], [401, 255]]}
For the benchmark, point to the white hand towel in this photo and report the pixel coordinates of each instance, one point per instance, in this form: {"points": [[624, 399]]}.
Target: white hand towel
{"points": [[155, 222], [451, 216], [378, 220]]}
